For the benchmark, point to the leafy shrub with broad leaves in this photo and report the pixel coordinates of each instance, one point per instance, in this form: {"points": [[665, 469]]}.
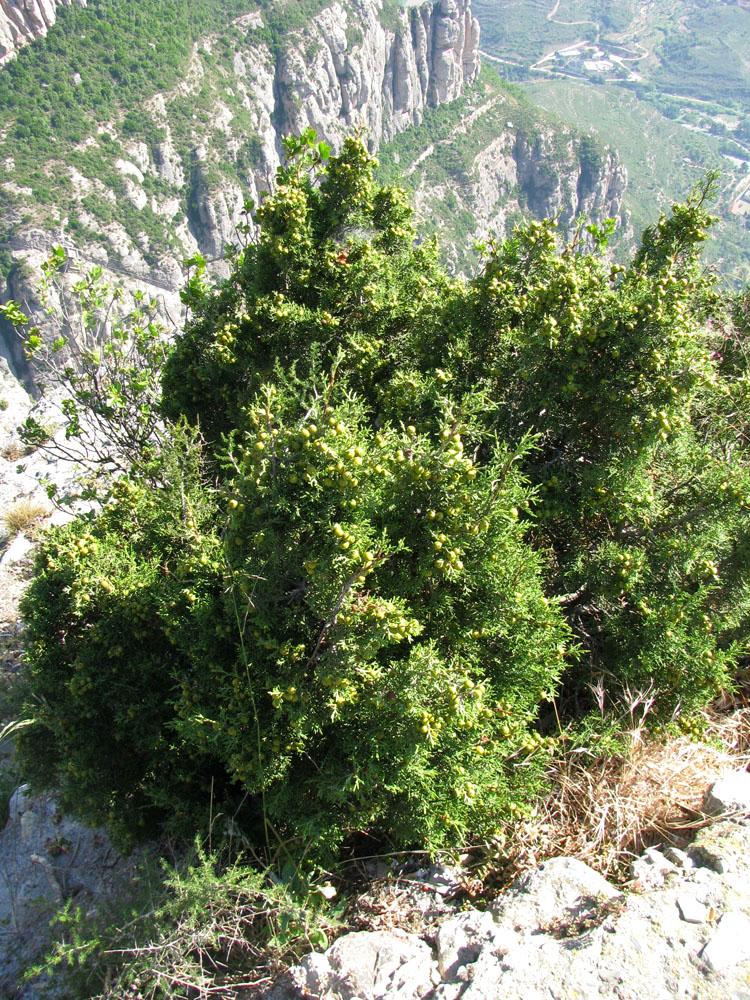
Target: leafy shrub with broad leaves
{"points": [[386, 513]]}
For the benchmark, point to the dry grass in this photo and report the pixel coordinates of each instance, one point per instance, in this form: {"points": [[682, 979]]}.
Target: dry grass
{"points": [[21, 515], [607, 809], [14, 451]]}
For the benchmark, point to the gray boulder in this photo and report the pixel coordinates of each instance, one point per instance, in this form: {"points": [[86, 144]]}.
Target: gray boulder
{"points": [[560, 891], [367, 965]]}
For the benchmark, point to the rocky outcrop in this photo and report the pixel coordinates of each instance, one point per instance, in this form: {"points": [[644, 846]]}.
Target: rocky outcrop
{"points": [[594, 189], [387, 78], [21, 21], [46, 859], [562, 931], [354, 64]]}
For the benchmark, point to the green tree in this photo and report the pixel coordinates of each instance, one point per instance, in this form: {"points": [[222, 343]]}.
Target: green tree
{"points": [[345, 628], [388, 514]]}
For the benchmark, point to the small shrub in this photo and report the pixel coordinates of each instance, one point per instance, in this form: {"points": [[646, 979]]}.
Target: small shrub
{"points": [[204, 927], [348, 630], [125, 588], [36, 434]]}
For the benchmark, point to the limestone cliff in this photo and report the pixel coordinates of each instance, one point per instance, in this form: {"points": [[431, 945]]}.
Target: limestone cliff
{"points": [[145, 191], [493, 160], [386, 78], [21, 21], [215, 140]]}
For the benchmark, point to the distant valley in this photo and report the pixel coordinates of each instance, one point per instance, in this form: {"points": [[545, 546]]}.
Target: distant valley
{"points": [[667, 82]]}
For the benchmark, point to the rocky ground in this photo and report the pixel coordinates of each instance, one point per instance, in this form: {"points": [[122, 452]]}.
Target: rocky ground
{"points": [[562, 931]]}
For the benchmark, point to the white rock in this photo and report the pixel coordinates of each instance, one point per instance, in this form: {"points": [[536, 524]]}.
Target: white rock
{"points": [[562, 887], [59, 517], [460, 939], [441, 878], [730, 794], [315, 971], [730, 944], [45, 857], [691, 911], [652, 868], [19, 803], [678, 857], [370, 964], [15, 404], [23, 21], [17, 551]]}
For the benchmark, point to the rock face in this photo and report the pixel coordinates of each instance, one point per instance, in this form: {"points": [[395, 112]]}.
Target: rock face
{"points": [[595, 189], [21, 21], [356, 63], [45, 860], [386, 79], [562, 932], [516, 175]]}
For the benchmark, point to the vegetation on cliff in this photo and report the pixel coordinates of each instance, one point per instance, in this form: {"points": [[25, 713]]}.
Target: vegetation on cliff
{"points": [[389, 524]]}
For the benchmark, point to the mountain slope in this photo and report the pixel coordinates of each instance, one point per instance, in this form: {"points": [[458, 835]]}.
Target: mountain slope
{"points": [[668, 83], [478, 166], [138, 175]]}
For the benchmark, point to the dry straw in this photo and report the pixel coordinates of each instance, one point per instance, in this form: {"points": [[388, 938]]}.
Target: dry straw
{"points": [[606, 809], [24, 513]]}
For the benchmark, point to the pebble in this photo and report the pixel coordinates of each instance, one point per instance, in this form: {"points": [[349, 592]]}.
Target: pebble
{"points": [[678, 857], [691, 911]]}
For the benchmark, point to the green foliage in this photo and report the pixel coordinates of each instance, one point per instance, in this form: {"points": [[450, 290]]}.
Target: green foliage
{"points": [[283, 18], [107, 366], [6, 264], [99, 59], [374, 564], [617, 371], [444, 150], [214, 925], [8, 785], [100, 64], [388, 515], [335, 270]]}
